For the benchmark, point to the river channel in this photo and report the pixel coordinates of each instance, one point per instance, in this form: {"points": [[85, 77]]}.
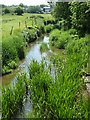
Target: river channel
{"points": [[33, 53]]}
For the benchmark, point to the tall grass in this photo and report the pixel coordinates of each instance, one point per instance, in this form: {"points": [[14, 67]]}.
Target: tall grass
{"points": [[14, 45], [44, 47], [59, 38], [13, 96], [57, 97], [13, 49], [60, 96]]}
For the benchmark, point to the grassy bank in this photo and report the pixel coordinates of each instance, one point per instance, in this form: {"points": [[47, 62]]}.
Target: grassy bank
{"points": [[60, 96], [55, 97], [17, 32], [13, 20]]}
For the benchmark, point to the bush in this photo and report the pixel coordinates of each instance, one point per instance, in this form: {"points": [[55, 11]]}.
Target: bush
{"points": [[19, 10], [44, 47], [79, 47], [18, 42], [73, 32], [59, 39], [12, 65], [32, 35], [12, 50], [48, 28], [9, 51], [7, 10]]}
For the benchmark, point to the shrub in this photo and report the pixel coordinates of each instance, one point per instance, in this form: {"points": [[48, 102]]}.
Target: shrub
{"points": [[13, 49], [6, 70], [73, 32], [44, 47], [19, 10], [12, 65], [48, 28], [18, 42], [32, 35], [9, 51], [59, 39], [7, 10], [79, 47]]}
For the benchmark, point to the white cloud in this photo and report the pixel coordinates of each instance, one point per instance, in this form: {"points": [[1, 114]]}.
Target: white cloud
{"points": [[25, 2]]}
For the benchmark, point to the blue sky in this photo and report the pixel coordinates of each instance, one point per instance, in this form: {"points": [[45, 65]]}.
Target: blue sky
{"points": [[25, 2]]}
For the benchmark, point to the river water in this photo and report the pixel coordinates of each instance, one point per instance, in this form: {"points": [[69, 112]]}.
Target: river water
{"points": [[33, 53]]}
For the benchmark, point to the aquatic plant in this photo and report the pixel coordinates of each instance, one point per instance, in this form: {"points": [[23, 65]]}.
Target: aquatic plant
{"points": [[57, 97], [44, 46], [13, 96]]}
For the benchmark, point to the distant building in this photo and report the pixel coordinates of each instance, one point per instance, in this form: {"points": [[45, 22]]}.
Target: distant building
{"points": [[47, 9]]}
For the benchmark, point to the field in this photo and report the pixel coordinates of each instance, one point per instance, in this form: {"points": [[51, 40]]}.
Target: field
{"points": [[13, 20]]}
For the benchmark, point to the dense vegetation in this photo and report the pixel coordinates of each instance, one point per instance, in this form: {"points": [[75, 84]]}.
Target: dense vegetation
{"points": [[56, 88], [76, 14], [21, 8], [15, 42]]}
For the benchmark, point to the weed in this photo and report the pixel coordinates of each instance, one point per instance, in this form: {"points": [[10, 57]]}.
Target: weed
{"points": [[44, 47]]}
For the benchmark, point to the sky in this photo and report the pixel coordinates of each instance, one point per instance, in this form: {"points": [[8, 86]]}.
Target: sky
{"points": [[25, 2]]}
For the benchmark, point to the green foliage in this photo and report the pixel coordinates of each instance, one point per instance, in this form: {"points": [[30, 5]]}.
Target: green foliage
{"points": [[18, 42], [13, 96], [13, 49], [61, 10], [59, 39], [6, 10], [19, 10], [48, 28], [9, 51], [79, 46], [50, 96], [33, 9], [30, 35], [43, 5], [12, 65], [44, 47], [6, 70], [80, 15]]}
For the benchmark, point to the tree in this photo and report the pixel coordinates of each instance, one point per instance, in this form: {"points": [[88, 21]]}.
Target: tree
{"points": [[6, 10], [61, 10], [33, 9], [41, 6], [19, 10], [21, 5], [80, 15]]}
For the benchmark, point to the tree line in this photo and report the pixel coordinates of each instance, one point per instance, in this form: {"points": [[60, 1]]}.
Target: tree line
{"points": [[21, 8], [76, 14]]}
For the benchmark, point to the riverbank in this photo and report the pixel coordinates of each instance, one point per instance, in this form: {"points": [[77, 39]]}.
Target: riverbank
{"points": [[14, 45], [63, 77]]}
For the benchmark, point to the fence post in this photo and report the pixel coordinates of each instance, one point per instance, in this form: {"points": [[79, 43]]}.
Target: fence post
{"points": [[11, 30], [19, 24], [35, 21]]}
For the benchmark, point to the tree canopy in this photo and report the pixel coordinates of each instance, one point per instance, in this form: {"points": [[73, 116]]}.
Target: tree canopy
{"points": [[19, 10], [78, 13], [33, 9]]}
